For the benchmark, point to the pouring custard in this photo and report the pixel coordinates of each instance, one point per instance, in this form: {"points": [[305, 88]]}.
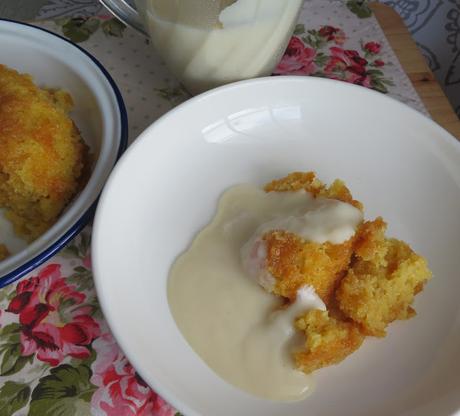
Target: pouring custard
{"points": [[287, 280]]}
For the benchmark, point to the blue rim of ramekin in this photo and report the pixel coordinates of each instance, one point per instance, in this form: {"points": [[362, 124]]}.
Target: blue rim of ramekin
{"points": [[88, 214]]}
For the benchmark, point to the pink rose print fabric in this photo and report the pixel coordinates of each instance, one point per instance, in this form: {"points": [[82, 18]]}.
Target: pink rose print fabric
{"points": [[54, 321], [322, 53], [51, 325], [297, 60], [121, 391]]}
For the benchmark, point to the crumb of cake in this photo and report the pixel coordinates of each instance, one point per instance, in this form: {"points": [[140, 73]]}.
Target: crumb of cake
{"points": [[296, 181], [328, 340], [370, 242], [43, 155], [339, 191], [366, 282], [294, 262], [308, 181], [376, 292], [4, 253]]}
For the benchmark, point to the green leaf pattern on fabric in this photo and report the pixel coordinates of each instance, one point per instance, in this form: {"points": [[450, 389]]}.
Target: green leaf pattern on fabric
{"points": [[299, 29], [82, 278], [78, 247], [13, 396], [113, 27], [80, 29], [360, 8], [66, 391], [175, 95], [11, 360]]}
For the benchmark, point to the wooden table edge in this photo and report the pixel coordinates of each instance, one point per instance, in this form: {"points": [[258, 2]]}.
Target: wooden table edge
{"points": [[416, 68]]}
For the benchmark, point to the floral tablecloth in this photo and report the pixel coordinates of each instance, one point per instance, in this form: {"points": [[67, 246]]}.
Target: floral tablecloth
{"points": [[57, 355]]}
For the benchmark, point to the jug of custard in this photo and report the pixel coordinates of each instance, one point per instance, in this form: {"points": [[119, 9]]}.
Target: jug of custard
{"points": [[207, 43]]}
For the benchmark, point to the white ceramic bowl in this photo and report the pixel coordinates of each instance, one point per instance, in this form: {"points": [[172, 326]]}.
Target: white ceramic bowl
{"points": [[99, 113], [400, 164]]}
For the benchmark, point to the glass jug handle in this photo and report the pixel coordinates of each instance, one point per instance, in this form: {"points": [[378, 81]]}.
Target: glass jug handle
{"points": [[126, 13]]}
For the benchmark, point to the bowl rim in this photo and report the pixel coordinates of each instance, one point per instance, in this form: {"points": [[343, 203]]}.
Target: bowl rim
{"points": [[86, 216], [116, 330]]}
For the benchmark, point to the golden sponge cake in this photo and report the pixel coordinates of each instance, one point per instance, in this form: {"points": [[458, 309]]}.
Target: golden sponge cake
{"points": [[42, 155]]}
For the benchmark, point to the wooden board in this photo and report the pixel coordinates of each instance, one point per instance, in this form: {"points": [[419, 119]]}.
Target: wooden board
{"points": [[416, 68]]}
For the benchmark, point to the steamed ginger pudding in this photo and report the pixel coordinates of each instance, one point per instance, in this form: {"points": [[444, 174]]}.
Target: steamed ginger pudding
{"points": [[43, 158], [287, 280]]}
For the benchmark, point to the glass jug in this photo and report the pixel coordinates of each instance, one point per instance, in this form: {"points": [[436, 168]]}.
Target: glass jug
{"points": [[207, 43]]}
